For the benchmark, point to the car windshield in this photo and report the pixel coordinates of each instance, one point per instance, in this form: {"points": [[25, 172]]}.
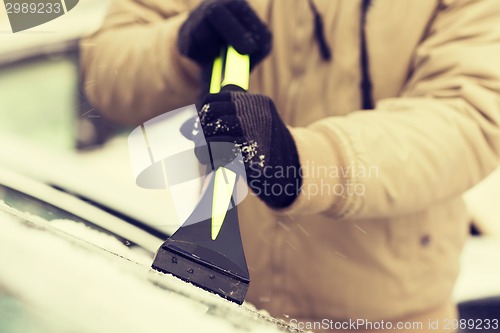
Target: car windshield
{"points": [[25, 203], [55, 282]]}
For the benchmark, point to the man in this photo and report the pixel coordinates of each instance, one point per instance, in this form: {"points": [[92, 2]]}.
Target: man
{"points": [[392, 111]]}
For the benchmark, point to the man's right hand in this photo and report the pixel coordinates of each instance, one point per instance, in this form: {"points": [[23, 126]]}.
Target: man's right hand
{"points": [[218, 23]]}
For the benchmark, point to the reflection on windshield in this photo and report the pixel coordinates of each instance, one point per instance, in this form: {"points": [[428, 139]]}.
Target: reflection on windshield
{"points": [[19, 317], [25, 203], [28, 204]]}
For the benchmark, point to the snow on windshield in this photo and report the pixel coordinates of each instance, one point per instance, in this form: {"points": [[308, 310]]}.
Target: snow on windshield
{"points": [[72, 288], [85, 233]]}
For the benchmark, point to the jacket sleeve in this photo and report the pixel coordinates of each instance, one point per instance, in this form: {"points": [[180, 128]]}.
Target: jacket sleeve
{"points": [[132, 70], [437, 139]]}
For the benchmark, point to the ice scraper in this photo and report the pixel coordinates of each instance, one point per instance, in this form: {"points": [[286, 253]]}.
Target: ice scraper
{"points": [[209, 253]]}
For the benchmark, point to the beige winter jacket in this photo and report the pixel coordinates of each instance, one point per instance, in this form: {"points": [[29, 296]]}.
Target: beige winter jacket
{"points": [[377, 230]]}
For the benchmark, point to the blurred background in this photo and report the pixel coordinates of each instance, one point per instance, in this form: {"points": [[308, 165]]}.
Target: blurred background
{"points": [[50, 134], [39, 81]]}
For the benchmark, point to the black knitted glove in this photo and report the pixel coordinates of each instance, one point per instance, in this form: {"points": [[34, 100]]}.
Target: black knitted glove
{"points": [[215, 24], [253, 125]]}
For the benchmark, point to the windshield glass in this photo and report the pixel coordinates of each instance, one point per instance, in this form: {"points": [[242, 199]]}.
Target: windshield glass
{"points": [[25, 203], [30, 205]]}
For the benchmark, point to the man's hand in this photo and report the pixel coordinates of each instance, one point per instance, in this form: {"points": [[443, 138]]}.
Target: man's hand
{"points": [[269, 153], [218, 23]]}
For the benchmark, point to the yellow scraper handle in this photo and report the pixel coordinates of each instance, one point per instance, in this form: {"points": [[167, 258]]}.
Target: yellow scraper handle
{"points": [[235, 70]]}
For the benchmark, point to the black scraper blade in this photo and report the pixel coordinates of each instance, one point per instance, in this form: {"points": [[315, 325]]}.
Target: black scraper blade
{"points": [[218, 266]]}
